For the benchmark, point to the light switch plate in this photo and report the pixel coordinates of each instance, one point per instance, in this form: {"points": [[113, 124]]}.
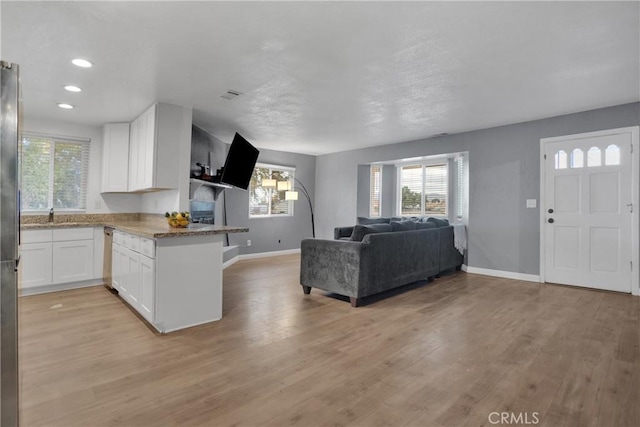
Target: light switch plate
{"points": [[532, 203]]}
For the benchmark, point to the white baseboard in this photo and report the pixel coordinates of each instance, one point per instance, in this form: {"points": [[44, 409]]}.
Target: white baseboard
{"points": [[230, 262], [259, 255], [501, 273], [60, 287]]}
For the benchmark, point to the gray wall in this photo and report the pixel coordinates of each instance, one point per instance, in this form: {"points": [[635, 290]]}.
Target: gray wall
{"points": [[389, 178], [266, 234], [503, 172], [274, 234], [364, 182], [388, 190]]}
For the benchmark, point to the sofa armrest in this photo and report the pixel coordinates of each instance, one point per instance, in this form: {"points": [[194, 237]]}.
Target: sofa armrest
{"points": [[341, 232], [331, 265]]}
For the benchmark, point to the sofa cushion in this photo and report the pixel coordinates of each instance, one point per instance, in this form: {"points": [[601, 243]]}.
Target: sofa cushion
{"points": [[403, 225], [359, 231], [425, 225], [363, 220], [439, 222]]}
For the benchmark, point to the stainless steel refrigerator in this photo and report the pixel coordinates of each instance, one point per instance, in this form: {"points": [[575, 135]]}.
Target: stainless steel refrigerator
{"points": [[9, 239]]}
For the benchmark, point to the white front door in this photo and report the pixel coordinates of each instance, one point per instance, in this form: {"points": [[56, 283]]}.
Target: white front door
{"points": [[587, 210]]}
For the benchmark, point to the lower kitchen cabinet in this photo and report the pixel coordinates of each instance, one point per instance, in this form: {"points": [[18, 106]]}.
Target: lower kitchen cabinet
{"points": [[117, 268], [174, 283], [72, 261], [133, 277], [50, 257], [133, 274], [35, 264], [147, 287]]}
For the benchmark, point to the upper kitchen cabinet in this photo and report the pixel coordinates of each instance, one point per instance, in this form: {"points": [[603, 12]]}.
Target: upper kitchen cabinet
{"points": [[115, 157], [153, 147]]}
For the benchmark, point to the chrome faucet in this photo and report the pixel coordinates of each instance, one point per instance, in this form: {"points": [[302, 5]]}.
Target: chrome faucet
{"points": [[51, 215]]}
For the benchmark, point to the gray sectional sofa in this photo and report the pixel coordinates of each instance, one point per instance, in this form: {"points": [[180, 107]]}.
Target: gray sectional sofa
{"points": [[377, 255]]}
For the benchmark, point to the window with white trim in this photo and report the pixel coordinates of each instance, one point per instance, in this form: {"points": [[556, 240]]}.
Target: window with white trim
{"points": [[54, 173], [424, 189], [269, 202], [375, 190]]}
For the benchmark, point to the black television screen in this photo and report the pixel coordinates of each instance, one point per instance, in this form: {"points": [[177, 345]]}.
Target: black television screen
{"points": [[240, 162]]}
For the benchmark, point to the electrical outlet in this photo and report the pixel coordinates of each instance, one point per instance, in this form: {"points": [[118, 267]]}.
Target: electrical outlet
{"points": [[531, 203], [248, 242]]}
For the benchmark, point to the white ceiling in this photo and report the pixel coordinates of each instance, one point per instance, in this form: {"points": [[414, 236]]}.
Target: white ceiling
{"points": [[326, 77]]}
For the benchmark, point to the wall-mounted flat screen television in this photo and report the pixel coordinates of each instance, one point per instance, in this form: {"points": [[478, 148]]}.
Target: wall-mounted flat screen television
{"points": [[240, 162]]}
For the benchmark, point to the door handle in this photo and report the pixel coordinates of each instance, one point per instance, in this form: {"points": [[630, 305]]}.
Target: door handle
{"points": [[550, 220], [550, 210]]}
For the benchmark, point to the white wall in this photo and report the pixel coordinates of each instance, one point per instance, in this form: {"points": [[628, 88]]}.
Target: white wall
{"points": [[96, 202]]}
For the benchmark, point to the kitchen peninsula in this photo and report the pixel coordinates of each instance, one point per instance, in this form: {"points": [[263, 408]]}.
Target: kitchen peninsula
{"points": [[171, 276]]}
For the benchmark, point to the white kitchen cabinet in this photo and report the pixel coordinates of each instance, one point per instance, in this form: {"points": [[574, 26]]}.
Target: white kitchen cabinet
{"points": [[152, 152], [146, 155], [57, 256], [147, 287], [134, 144], [133, 277], [98, 252], [72, 261], [116, 267], [35, 264], [115, 157], [134, 274]]}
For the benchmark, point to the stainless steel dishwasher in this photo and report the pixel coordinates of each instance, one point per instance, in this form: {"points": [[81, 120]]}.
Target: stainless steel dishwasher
{"points": [[106, 267]]}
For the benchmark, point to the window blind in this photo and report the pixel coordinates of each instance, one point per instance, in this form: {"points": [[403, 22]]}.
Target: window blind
{"points": [[54, 173], [375, 191], [424, 190], [412, 189], [436, 189]]}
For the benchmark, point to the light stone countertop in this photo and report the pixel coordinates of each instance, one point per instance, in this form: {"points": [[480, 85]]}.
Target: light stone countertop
{"points": [[148, 229]]}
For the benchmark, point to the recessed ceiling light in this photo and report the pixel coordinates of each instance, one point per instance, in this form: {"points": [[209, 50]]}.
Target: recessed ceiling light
{"points": [[72, 88], [65, 106], [82, 63]]}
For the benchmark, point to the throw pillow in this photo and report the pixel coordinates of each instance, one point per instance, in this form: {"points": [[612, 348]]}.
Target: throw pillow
{"points": [[359, 231], [363, 220], [439, 222], [403, 226], [425, 225]]}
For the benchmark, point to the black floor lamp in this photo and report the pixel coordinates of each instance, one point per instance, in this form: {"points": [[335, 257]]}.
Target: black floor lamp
{"points": [[292, 194]]}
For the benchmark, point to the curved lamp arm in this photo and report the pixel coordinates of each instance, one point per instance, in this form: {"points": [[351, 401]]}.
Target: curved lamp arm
{"points": [[304, 191]]}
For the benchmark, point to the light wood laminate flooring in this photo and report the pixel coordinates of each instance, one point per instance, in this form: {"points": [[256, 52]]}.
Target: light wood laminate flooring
{"points": [[446, 353]]}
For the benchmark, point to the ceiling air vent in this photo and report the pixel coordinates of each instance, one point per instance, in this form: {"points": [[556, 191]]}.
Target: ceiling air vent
{"points": [[231, 94]]}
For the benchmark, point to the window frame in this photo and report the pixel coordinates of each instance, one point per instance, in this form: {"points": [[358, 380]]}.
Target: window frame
{"points": [[424, 165], [85, 163], [291, 170]]}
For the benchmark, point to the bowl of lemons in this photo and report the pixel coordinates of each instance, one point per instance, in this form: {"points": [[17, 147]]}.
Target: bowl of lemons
{"points": [[178, 219]]}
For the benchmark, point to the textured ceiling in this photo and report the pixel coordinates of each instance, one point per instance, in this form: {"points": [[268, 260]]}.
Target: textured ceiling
{"points": [[326, 77]]}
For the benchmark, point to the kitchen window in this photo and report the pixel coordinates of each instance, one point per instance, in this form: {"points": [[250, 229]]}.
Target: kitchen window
{"points": [[53, 173], [269, 202]]}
